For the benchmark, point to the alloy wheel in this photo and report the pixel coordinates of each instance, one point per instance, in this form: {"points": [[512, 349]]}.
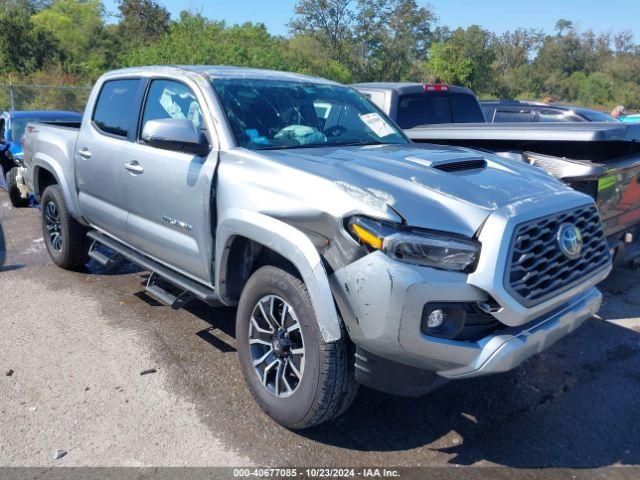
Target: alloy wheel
{"points": [[277, 345], [54, 227]]}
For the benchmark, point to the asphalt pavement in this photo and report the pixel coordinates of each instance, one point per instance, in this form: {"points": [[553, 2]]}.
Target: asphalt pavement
{"points": [[77, 343]]}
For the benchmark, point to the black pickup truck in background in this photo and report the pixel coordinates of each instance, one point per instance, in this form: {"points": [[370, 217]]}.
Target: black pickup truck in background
{"points": [[599, 159]]}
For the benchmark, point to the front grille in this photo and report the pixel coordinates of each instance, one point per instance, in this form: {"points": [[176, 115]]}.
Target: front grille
{"points": [[539, 270]]}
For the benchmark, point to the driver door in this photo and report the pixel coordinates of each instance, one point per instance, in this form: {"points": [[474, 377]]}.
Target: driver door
{"points": [[169, 192]]}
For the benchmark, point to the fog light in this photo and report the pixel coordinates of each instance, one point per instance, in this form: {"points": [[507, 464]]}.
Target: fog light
{"points": [[443, 319], [436, 318]]}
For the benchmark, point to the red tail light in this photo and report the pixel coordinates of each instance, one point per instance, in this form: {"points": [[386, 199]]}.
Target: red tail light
{"points": [[435, 87]]}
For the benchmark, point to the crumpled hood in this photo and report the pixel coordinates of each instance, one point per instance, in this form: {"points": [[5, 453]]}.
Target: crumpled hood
{"points": [[404, 178]]}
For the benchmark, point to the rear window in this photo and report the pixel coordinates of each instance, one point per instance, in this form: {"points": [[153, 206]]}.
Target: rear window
{"points": [[431, 108], [112, 114], [558, 116], [522, 115], [596, 116]]}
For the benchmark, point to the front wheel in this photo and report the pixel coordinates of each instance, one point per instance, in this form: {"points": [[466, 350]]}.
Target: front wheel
{"points": [[297, 378], [18, 200], [65, 238]]}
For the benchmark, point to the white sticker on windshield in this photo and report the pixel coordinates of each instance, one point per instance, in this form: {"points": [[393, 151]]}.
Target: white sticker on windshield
{"points": [[377, 124]]}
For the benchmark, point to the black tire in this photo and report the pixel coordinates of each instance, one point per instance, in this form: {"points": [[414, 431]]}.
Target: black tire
{"points": [[17, 200], [328, 384], [73, 251]]}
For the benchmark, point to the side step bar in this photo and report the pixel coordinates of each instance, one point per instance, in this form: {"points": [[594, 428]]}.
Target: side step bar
{"points": [[190, 289]]}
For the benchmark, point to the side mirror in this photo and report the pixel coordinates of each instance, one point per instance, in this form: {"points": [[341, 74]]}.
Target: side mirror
{"points": [[177, 134]]}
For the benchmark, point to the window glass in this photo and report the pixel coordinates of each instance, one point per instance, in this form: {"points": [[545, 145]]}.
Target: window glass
{"points": [[431, 108], [169, 99], [558, 116], [113, 108], [268, 114], [465, 108], [520, 115], [595, 116], [423, 109]]}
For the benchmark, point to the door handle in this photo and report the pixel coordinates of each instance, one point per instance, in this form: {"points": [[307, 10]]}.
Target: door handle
{"points": [[85, 153], [134, 167]]}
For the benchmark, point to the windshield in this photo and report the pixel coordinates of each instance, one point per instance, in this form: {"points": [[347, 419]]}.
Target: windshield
{"points": [[267, 114], [595, 116], [18, 125]]}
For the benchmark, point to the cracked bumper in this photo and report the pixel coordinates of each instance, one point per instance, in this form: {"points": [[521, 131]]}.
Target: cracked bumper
{"points": [[382, 301], [509, 348]]}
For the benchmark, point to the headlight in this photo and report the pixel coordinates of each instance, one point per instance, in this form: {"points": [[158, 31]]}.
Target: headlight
{"points": [[419, 247]]}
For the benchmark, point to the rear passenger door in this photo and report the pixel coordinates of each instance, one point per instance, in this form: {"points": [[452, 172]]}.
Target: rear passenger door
{"points": [[99, 154], [169, 193]]}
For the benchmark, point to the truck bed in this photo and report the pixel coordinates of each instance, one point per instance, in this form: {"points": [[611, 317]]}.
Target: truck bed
{"points": [[526, 132], [600, 159], [43, 140]]}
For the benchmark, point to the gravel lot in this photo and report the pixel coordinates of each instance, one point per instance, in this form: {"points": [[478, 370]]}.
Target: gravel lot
{"points": [[77, 343]]}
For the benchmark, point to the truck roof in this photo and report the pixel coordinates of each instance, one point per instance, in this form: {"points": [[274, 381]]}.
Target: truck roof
{"points": [[213, 72], [583, 111], [407, 87]]}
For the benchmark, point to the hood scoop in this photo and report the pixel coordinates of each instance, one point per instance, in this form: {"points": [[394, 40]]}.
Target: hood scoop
{"points": [[452, 164]]}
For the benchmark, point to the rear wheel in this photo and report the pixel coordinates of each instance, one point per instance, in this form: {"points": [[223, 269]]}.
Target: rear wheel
{"points": [[297, 378], [65, 238], [15, 195]]}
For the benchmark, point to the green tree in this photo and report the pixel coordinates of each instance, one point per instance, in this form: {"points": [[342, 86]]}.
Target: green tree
{"points": [[142, 22], [24, 47], [564, 52], [305, 54], [373, 39], [193, 39], [466, 58], [330, 22], [77, 26], [391, 36]]}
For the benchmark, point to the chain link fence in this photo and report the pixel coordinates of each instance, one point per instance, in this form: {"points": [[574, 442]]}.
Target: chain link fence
{"points": [[43, 97]]}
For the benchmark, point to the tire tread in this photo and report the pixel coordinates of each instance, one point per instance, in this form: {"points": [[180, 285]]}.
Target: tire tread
{"points": [[76, 254], [337, 386]]}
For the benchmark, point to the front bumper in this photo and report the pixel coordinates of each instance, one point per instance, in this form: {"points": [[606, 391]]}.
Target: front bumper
{"points": [[382, 303], [507, 349]]}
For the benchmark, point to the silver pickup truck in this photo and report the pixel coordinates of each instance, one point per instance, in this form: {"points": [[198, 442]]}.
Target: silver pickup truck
{"points": [[354, 256]]}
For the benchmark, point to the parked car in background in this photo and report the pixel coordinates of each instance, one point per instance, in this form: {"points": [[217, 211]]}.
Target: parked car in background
{"points": [[633, 118], [414, 104], [509, 111], [354, 255], [12, 126], [601, 159]]}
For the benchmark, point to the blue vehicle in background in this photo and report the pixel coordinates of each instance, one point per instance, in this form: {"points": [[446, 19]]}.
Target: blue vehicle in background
{"points": [[12, 127], [635, 118]]}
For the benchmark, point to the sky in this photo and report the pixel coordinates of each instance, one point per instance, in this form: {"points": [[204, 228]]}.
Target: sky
{"points": [[495, 15]]}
